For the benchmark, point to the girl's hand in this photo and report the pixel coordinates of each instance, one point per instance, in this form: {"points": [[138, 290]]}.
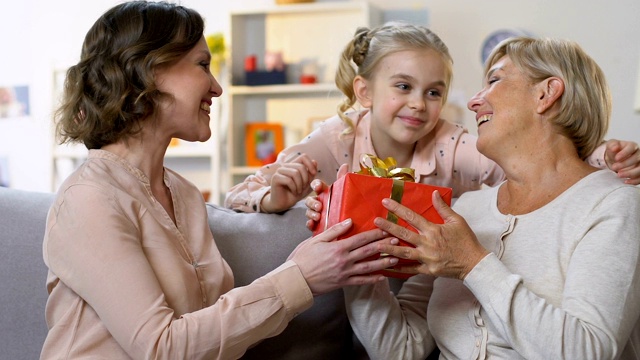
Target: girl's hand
{"points": [[447, 250], [328, 265], [314, 206], [290, 184], [623, 157]]}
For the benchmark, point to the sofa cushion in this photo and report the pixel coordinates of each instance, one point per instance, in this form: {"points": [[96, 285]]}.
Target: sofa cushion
{"points": [[254, 244], [23, 295]]}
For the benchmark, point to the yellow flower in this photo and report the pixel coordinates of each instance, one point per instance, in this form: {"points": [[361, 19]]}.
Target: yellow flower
{"points": [[215, 42]]}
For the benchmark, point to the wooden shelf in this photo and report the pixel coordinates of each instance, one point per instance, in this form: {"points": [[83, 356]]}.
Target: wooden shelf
{"points": [[283, 89], [327, 28], [307, 8]]}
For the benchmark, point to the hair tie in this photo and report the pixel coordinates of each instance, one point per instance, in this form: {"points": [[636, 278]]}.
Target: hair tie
{"points": [[361, 46]]}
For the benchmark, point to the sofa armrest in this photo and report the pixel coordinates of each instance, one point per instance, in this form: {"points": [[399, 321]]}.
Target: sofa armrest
{"points": [[23, 282]]}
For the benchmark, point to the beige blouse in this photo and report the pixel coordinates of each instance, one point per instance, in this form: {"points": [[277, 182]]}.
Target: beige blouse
{"points": [[126, 282]]}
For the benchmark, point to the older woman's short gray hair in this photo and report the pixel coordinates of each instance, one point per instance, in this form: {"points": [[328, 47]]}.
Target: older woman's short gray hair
{"points": [[585, 105]]}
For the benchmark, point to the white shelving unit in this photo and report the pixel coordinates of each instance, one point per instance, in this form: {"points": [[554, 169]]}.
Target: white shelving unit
{"points": [[301, 32]]}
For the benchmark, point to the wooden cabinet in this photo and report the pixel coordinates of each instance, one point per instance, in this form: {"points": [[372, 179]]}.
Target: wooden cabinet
{"points": [[306, 33]]}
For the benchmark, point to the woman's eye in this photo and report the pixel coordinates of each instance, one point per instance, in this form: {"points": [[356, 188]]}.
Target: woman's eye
{"points": [[492, 80], [205, 64], [403, 86]]}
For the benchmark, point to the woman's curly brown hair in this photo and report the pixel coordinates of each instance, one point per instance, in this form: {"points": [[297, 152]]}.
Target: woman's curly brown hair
{"points": [[112, 88]]}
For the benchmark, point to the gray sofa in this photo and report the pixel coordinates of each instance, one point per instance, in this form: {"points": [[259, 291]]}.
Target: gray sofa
{"points": [[253, 244]]}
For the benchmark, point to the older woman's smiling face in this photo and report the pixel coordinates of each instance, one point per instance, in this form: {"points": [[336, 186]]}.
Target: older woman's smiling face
{"points": [[505, 107]]}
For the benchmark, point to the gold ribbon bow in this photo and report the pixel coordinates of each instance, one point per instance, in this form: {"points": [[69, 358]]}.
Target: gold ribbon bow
{"points": [[387, 169]]}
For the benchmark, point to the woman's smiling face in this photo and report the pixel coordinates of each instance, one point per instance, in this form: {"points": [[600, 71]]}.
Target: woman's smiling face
{"points": [[505, 107], [192, 86]]}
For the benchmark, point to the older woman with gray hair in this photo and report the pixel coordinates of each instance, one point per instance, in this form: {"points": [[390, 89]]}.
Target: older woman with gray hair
{"points": [[544, 265]]}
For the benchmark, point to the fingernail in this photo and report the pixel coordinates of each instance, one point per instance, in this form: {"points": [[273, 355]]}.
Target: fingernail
{"points": [[393, 261], [346, 222]]}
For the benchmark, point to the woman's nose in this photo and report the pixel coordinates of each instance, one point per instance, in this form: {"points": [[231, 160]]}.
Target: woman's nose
{"points": [[215, 88], [475, 101]]}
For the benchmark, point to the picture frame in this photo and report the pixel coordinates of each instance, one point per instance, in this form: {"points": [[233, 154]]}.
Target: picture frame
{"points": [[263, 142], [14, 101]]}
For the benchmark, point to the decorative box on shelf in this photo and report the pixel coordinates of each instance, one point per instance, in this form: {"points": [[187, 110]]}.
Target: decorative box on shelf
{"points": [[260, 77], [286, 2]]}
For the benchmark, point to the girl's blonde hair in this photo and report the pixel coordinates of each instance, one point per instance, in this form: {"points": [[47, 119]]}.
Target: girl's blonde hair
{"points": [[585, 105], [369, 46]]}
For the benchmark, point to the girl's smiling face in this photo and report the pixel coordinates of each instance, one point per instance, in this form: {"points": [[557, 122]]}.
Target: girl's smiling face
{"points": [[192, 86], [405, 97]]}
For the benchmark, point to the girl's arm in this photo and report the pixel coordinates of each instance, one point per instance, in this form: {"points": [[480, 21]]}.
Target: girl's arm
{"points": [[248, 195]]}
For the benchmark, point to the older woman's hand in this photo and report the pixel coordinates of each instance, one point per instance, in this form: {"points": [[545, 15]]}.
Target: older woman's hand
{"points": [[448, 250], [623, 157]]}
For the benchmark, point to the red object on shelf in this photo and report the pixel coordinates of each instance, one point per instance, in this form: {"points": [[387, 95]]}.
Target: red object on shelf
{"points": [[307, 79], [250, 63]]}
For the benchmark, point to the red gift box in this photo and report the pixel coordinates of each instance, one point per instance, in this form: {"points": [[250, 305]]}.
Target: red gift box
{"points": [[359, 197]]}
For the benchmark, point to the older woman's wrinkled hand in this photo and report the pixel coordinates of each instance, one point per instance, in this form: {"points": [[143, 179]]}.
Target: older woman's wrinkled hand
{"points": [[448, 250]]}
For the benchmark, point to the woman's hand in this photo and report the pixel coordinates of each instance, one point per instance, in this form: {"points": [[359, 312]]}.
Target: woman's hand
{"points": [[447, 250], [328, 265], [290, 184], [623, 157]]}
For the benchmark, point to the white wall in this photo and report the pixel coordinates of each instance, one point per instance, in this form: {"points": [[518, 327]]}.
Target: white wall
{"points": [[40, 35], [608, 30]]}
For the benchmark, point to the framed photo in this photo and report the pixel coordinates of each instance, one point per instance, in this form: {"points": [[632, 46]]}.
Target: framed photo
{"points": [[263, 142], [14, 101]]}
